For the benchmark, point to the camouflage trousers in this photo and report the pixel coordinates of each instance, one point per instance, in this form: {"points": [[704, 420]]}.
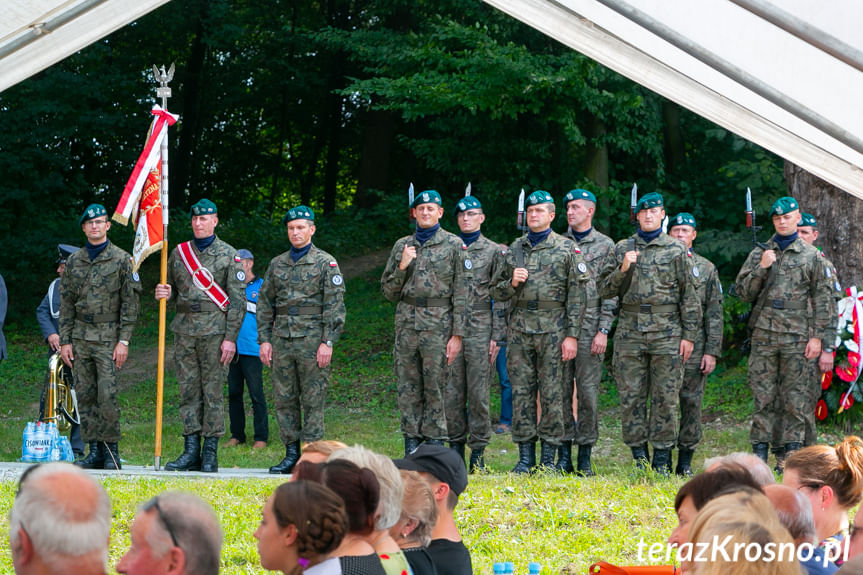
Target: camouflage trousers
{"points": [[468, 393], [201, 379], [421, 371], [780, 378], [587, 372], [811, 434], [536, 367], [299, 388], [96, 387], [648, 366], [691, 396]]}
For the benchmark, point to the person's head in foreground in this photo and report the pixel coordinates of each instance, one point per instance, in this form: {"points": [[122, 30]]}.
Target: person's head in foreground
{"points": [[320, 451], [855, 535], [443, 469], [756, 466], [419, 512], [302, 523], [832, 479], [174, 533], [60, 522]]}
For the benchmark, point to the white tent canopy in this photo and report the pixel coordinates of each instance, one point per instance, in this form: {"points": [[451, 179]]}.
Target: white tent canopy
{"points": [[35, 34], [787, 75]]}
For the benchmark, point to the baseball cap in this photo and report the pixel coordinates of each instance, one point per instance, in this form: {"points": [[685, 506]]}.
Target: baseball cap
{"points": [[442, 462]]}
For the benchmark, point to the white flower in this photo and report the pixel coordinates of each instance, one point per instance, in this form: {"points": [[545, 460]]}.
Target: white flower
{"points": [[849, 343]]}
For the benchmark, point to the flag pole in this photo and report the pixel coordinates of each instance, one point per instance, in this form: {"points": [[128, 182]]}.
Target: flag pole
{"points": [[164, 92]]}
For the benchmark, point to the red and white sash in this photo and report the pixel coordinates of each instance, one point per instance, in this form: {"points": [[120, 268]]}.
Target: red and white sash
{"points": [[202, 277]]}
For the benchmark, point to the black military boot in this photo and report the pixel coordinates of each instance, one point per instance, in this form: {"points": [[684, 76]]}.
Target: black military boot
{"points": [[210, 455], [411, 444], [684, 462], [760, 449], [789, 449], [112, 456], [662, 461], [780, 453], [458, 447], [190, 459], [477, 460], [584, 468], [292, 455], [526, 458], [547, 454], [564, 458], [641, 456], [95, 459]]}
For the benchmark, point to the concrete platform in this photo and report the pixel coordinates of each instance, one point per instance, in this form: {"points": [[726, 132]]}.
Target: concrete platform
{"points": [[13, 470]]}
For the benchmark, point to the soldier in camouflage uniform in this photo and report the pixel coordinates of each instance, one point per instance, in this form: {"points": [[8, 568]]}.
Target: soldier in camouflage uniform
{"points": [[425, 275], [595, 248], [468, 388], [793, 323], [708, 344], [301, 313], [548, 285], [660, 316], [205, 337], [98, 311]]}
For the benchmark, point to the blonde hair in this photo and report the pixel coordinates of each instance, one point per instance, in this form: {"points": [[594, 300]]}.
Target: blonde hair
{"points": [[418, 504], [840, 468], [324, 446]]}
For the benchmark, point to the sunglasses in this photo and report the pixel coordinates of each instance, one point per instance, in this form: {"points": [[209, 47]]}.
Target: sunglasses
{"points": [[154, 504]]}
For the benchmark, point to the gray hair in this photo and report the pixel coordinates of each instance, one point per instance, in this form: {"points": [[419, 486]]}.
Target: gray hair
{"points": [[419, 504], [64, 512], [391, 488], [759, 470], [194, 525], [798, 520]]}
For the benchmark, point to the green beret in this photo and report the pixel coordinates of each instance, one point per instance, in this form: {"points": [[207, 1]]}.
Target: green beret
{"points": [[578, 194], [682, 219], [651, 200], [204, 207], [467, 203], [299, 213], [93, 211], [807, 220], [783, 206], [427, 197], [540, 197]]}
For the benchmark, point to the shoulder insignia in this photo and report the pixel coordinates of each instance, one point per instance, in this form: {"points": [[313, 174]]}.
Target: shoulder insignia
{"points": [[333, 264], [463, 246], [575, 249], [237, 258], [827, 272], [582, 267], [337, 280], [241, 276], [720, 289], [468, 265], [136, 277], [695, 271]]}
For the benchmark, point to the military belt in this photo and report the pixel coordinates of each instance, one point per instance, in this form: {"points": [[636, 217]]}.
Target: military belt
{"points": [[197, 307], [648, 308], [426, 301], [593, 304], [99, 317], [299, 310], [534, 304], [482, 306], [784, 304]]}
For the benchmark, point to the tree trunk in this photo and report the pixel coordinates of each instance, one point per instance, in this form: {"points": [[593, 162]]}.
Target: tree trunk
{"points": [[675, 152], [837, 214], [596, 167]]}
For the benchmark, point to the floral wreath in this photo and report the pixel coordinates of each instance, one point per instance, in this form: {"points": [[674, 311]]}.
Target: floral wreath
{"points": [[843, 399]]}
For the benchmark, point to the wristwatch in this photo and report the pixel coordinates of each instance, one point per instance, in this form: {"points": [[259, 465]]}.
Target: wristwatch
{"points": [[603, 330], [328, 343], [124, 342], [827, 350]]}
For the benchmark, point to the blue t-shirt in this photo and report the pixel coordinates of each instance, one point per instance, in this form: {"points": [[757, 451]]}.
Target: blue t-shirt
{"points": [[247, 342]]}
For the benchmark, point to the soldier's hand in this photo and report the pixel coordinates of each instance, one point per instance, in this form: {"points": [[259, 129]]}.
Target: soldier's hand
{"points": [[163, 291], [813, 348], [54, 342], [708, 363], [629, 258], [453, 347], [599, 343], [325, 354], [493, 350], [121, 352], [825, 362], [66, 354], [229, 348], [519, 275], [266, 354], [569, 348], [686, 348], [767, 259], [409, 254]]}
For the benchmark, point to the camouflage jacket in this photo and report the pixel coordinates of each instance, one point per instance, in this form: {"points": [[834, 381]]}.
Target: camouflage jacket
{"points": [[557, 274], [804, 279], [482, 258], [305, 298], [596, 248], [90, 291], [709, 290], [438, 272], [222, 261], [663, 276]]}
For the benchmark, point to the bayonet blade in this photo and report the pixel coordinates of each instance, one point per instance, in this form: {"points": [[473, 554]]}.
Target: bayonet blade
{"points": [[467, 190], [411, 195], [521, 201], [633, 199]]}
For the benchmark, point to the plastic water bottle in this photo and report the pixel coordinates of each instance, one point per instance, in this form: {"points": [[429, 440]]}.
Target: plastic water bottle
{"points": [[498, 569], [534, 568], [508, 568]]}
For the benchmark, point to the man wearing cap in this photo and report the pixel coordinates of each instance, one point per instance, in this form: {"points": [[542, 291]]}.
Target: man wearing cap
{"points": [[707, 345], [660, 316], [468, 389], [211, 303], [301, 314], [98, 311], [445, 473], [425, 275], [548, 285], [793, 323], [595, 248], [247, 366], [48, 317]]}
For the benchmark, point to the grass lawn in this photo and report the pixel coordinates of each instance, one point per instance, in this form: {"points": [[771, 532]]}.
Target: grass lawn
{"points": [[565, 523]]}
